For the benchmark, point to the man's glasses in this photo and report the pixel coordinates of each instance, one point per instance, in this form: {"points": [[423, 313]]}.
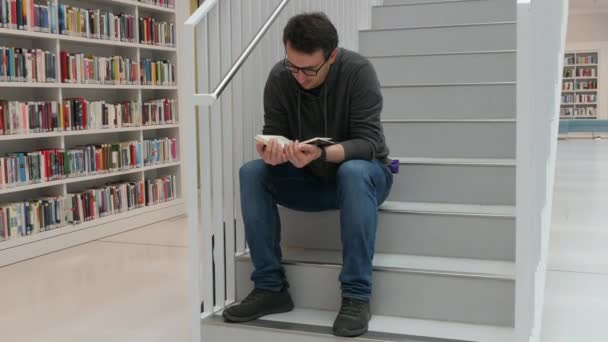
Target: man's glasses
{"points": [[306, 71]]}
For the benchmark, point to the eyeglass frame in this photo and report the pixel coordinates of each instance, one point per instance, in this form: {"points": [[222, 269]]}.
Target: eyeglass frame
{"points": [[304, 70]]}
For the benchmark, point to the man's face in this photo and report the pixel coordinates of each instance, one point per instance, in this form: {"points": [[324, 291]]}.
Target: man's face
{"points": [[306, 61]]}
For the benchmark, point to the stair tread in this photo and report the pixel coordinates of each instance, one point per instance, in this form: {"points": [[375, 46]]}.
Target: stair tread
{"points": [[382, 325], [408, 263], [439, 26], [457, 161], [448, 208]]}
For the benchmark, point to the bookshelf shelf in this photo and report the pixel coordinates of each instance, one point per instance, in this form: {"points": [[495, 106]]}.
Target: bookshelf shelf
{"points": [[79, 179], [83, 40], [88, 224], [85, 132], [580, 71], [139, 96]]}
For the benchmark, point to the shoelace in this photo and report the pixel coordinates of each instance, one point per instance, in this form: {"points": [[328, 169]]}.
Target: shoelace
{"points": [[351, 307]]}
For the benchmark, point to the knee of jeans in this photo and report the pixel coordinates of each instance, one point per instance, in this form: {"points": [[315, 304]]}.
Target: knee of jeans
{"points": [[354, 170], [252, 170]]}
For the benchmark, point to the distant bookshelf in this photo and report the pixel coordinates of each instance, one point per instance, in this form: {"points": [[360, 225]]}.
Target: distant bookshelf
{"points": [[580, 85], [90, 131]]}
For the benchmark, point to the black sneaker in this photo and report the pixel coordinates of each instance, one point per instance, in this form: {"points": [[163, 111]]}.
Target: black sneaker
{"points": [[257, 304], [353, 318]]}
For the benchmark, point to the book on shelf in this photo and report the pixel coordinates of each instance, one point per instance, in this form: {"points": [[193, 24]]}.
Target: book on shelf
{"points": [[29, 15], [96, 24], [154, 32], [18, 117], [89, 69], [25, 218], [160, 190], [161, 73], [81, 114], [26, 65], [161, 3], [24, 168], [159, 112], [586, 72], [590, 59], [159, 150]]}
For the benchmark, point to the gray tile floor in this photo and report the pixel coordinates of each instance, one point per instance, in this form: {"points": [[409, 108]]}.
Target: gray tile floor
{"points": [[133, 286], [576, 302]]}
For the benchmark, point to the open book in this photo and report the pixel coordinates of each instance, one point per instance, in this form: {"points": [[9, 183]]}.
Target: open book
{"points": [[265, 139]]}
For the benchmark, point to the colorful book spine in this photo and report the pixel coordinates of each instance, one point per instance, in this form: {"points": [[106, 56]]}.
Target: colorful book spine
{"points": [[153, 32], [159, 73], [88, 69], [159, 112], [161, 190], [160, 151], [26, 65]]}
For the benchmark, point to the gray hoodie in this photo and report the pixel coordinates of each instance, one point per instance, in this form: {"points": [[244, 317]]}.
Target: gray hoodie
{"points": [[347, 109]]}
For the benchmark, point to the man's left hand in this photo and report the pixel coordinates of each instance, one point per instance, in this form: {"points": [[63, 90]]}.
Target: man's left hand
{"points": [[301, 155]]}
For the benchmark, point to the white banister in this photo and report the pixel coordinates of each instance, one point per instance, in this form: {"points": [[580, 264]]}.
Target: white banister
{"points": [[541, 27]]}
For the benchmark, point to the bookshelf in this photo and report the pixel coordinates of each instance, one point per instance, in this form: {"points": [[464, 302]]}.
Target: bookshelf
{"points": [[68, 137], [580, 85]]}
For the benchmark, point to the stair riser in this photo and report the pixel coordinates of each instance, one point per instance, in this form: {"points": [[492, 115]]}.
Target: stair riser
{"points": [[449, 102], [447, 298], [447, 13], [490, 238], [437, 40], [411, 2], [445, 69], [461, 184], [451, 140]]}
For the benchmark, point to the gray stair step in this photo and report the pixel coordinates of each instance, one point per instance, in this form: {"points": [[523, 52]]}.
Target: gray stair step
{"points": [[441, 181], [487, 101], [451, 69], [451, 139], [415, 2], [307, 325], [443, 13], [405, 286], [430, 229], [437, 40]]}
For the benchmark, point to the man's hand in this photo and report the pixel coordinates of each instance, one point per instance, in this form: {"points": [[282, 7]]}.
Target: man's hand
{"points": [[272, 154], [301, 155]]}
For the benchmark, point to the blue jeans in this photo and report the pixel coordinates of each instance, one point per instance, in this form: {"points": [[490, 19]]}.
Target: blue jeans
{"points": [[360, 187]]}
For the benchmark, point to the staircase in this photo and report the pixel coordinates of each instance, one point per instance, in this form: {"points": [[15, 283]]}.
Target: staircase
{"points": [[444, 268]]}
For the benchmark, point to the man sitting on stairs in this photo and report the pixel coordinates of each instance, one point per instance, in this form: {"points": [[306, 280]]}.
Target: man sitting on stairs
{"points": [[318, 90]]}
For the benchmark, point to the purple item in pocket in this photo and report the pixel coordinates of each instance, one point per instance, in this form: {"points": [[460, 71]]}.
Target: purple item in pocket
{"points": [[394, 166]]}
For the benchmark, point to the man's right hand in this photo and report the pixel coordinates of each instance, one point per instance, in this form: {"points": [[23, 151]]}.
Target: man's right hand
{"points": [[272, 154]]}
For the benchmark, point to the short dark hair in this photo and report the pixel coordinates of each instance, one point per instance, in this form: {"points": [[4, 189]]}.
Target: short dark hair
{"points": [[309, 32]]}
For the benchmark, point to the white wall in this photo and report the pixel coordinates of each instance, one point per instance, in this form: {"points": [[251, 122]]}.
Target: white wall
{"points": [[589, 32]]}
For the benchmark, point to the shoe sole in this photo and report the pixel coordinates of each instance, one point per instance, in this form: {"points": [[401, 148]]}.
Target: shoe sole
{"points": [[235, 319], [350, 333]]}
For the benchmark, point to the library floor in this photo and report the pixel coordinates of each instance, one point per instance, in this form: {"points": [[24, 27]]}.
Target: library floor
{"points": [[133, 286]]}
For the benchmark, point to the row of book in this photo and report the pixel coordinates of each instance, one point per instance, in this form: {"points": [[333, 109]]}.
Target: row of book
{"points": [[153, 32], [87, 69], [579, 111], [24, 168], [17, 117], [586, 60], [586, 72], [27, 65], [579, 98], [95, 23], [29, 15], [159, 151], [162, 3], [590, 85], [26, 218], [160, 73]]}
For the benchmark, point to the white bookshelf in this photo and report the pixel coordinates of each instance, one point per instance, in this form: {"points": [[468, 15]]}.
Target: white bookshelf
{"points": [[580, 79], [26, 247]]}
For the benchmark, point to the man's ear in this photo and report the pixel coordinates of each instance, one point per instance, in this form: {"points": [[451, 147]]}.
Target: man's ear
{"points": [[333, 55]]}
